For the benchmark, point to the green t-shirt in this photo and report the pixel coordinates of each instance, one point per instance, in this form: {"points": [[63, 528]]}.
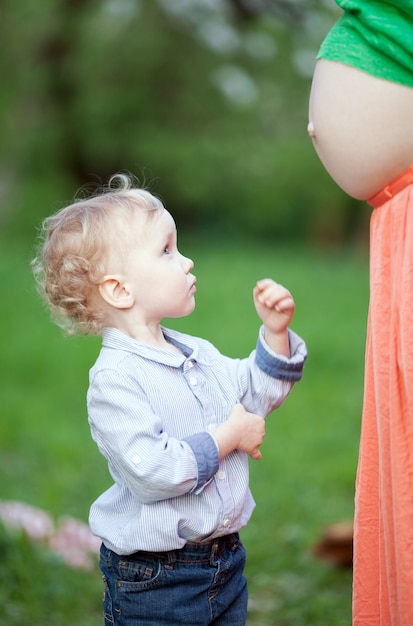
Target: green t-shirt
{"points": [[374, 36]]}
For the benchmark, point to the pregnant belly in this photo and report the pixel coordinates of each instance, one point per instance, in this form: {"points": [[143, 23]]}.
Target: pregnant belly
{"points": [[361, 127]]}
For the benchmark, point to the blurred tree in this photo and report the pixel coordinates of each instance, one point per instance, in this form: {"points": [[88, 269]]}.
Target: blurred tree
{"points": [[296, 11], [209, 96]]}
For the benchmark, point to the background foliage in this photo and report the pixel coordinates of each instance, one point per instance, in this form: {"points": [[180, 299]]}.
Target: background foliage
{"points": [[204, 100]]}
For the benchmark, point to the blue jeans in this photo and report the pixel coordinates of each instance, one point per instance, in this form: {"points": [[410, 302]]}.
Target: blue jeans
{"points": [[198, 585]]}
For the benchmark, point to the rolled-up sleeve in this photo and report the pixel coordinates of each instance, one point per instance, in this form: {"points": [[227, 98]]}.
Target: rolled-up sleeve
{"points": [[278, 366], [143, 457], [206, 453]]}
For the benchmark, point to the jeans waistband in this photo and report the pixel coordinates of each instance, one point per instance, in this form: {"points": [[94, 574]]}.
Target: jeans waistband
{"points": [[191, 550], [218, 545]]}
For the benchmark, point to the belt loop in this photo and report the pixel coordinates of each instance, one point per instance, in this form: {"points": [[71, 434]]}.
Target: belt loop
{"points": [[171, 557], [213, 555]]}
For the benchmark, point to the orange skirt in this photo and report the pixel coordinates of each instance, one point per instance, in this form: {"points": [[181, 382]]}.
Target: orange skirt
{"points": [[383, 533]]}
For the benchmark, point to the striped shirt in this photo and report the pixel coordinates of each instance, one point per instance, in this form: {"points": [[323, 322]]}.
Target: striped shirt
{"points": [[151, 413]]}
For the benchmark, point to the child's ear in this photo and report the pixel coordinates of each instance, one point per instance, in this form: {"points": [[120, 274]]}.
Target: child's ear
{"points": [[115, 293]]}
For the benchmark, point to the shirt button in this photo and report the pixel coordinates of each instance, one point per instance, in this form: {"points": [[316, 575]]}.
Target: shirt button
{"points": [[190, 364], [221, 475], [211, 427], [193, 381], [225, 523]]}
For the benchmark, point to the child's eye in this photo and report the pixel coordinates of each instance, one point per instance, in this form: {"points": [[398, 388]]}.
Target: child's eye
{"points": [[166, 250]]}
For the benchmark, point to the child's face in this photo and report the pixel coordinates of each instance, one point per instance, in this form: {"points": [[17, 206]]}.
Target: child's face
{"points": [[157, 274]]}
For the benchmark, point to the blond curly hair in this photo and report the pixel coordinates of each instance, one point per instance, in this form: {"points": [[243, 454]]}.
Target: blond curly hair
{"points": [[70, 260]]}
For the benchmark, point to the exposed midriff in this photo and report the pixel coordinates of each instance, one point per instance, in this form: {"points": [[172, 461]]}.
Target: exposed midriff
{"points": [[362, 127]]}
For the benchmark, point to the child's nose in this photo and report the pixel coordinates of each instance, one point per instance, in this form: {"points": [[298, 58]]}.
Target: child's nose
{"points": [[188, 264]]}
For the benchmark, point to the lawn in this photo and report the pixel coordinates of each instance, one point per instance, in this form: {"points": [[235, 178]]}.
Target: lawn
{"points": [[304, 482]]}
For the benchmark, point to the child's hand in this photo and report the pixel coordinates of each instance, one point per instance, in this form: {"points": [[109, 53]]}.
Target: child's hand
{"points": [[274, 304], [250, 429], [242, 431]]}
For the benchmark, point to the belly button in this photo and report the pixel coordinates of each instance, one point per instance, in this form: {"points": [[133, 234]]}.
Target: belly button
{"points": [[310, 129]]}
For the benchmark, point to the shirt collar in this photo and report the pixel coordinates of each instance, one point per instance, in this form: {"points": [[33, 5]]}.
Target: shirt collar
{"points": [[189, 347]]}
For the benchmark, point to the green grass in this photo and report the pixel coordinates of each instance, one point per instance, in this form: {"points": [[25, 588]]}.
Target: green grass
{"points": [[304, 481]]}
